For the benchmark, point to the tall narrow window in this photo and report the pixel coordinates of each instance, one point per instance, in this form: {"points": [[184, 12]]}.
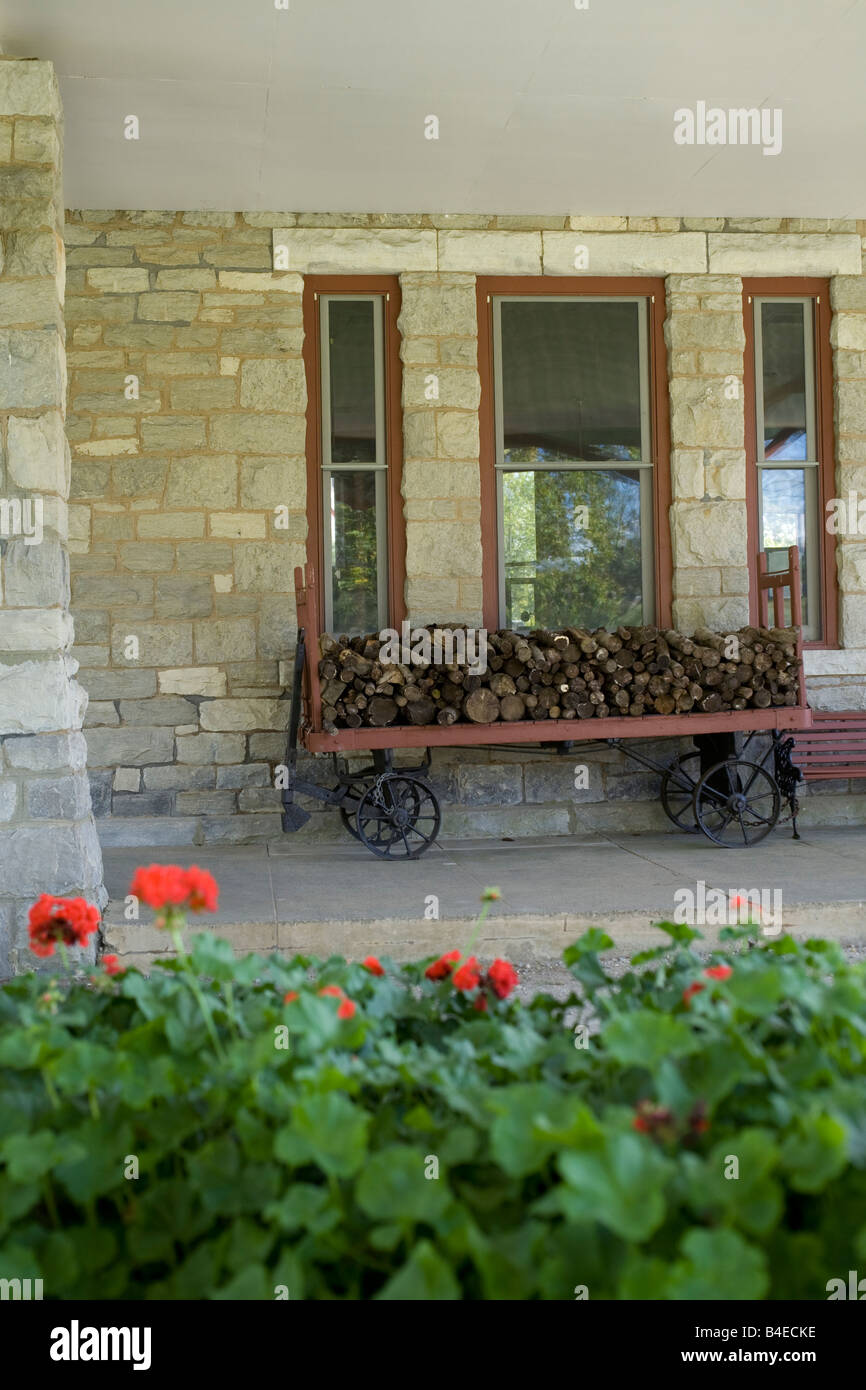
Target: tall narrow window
{"points": [[787, 449], [356, 530], [354, 464], [573, 460]]}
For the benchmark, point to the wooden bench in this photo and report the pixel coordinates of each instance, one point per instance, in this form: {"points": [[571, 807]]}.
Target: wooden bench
{"points": [[833, 747]]}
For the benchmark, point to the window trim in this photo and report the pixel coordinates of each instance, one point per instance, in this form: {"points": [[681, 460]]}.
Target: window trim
{"points": [[549, 287], [818, 290], [363, 286]]}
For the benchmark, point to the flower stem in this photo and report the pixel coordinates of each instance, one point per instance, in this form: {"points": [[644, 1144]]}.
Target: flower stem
{"points": [[228, 994], [485, 908], [64, 956], [52, 1093]]}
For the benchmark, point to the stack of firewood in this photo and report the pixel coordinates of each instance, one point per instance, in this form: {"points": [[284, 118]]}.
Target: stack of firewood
{"points": [[568, 674]]}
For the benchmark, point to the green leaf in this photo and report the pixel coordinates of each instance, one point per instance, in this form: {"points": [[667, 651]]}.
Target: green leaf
{"points": [[98, 1166], [622, 1185], [591, 942], [393, 1186], [751, 1199], [424, 1277], [386, 1237], [757, 991], [305, 1206], [213, 956], [718, 1265], [30, 1156], [59, 1261], [249, 1285], [532, 1120], [328, 1130], [645, 1038], [82, 1066], [816, 1153], [678, 931]]}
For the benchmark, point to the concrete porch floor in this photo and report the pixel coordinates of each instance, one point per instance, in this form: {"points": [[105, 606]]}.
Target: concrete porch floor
{"points": [[322, 899]]}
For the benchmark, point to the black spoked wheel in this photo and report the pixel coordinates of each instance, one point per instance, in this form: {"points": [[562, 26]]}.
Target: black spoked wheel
{"points": [[398, 817], [737, 803], [678, 791], [349, 810]]}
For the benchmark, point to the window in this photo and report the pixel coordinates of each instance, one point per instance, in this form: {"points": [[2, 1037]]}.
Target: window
{"points": [[789, 457], [575, 458], [356, 524]]}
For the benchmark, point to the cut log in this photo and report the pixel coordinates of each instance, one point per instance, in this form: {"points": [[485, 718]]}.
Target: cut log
{"points": [[481, 706], [511, 707], [381, 712]]}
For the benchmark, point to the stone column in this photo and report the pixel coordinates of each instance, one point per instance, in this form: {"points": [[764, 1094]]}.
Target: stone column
{"points": [[441, 483], [848, 337], [705, 341], [48, 841]]}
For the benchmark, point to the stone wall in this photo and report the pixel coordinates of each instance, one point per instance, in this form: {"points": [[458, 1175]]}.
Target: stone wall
{"points": [[48, 841], [705, 341], [441, 481], [186, 418], [175, 497]]}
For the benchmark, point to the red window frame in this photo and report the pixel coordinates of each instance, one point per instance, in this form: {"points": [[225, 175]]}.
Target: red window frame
{"points": [[388, 286], [819, 292], [654, 292]]}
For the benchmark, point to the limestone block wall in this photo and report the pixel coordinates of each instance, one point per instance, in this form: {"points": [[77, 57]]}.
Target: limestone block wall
{"points": [[705, 341], [176, 491], [48, 841], [187, 517], [441, 481]]}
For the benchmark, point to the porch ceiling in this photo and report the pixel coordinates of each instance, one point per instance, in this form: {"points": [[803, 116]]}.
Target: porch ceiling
{"points": [[543, 108]]}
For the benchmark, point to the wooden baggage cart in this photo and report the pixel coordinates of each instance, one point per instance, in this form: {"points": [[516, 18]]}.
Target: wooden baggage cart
{"points": [[735, 801]]}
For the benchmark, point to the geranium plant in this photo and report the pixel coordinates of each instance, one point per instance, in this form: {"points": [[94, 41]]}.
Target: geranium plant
{"points": [[371, 1134]]}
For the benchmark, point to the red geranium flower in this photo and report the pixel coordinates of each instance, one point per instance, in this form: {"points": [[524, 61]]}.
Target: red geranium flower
{"points": [[468, 976], [111, 965], [719, 972], [160, 885], [503, 977], [690, 990], [202, 890], [481, 1004], [290, 997], [370, 963], [442, 967], [332, 989], [69, 920], [346, 1009], [164, 886], [641, 1123]]}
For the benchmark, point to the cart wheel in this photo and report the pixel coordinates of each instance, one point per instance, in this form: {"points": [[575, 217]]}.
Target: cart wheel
{"points": [[354, 792], [737, 803], [678, 791], [398, 817]]}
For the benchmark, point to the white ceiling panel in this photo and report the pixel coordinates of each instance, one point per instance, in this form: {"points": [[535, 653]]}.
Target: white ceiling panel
{"points": [[543, 108]]}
